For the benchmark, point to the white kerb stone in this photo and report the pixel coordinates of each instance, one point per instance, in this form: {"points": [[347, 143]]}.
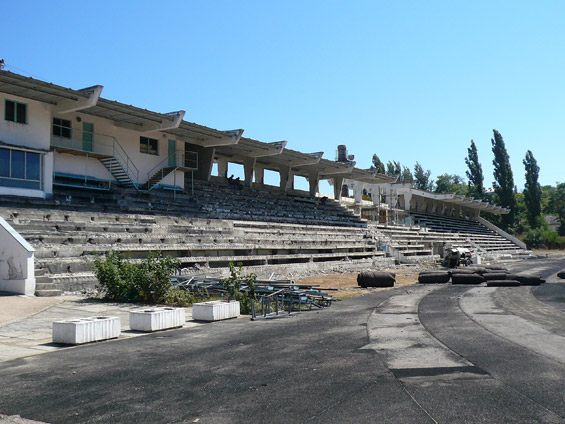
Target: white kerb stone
{"points": [[215, 310], [154, 319], [86, 330]]}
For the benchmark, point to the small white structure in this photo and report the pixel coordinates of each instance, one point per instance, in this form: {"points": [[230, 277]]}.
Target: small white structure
{"points": [[86, 330], [155, 319], [17, 273], [215, 310]]}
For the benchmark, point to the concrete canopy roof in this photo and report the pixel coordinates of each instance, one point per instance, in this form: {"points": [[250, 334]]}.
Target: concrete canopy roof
{"points": [[229, 144], [468, 202]]}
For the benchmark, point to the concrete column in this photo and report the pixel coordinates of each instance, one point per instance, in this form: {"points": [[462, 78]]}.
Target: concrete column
{"points": [[284, 172], [338, 184], [48, 165], [314, 180], [259, 175], [434, 207], [358, 192], [222, 168], [374, 192], [248, 167], [407, 201]]}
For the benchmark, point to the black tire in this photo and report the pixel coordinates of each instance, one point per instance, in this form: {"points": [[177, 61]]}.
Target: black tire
{"points": [[462, 271], [478, 269], [462, 278], [561, 274], [493, 276], [438, 277], [495, 268], [529, 279], [503, 283], [375, 279]]}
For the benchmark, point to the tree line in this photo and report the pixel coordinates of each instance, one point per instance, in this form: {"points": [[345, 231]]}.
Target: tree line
{"points": [[527, 208]]}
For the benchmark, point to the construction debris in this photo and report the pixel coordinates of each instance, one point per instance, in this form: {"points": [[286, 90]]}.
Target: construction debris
{"points": [[272, 297]]}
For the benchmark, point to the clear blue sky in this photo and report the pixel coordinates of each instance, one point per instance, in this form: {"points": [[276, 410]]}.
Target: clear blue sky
{"points": [[408, 80]]}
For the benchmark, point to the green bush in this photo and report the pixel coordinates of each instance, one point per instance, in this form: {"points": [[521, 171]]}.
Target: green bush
{"points": [[544, 236], [176, 296], [146, 282], [233, 284]]}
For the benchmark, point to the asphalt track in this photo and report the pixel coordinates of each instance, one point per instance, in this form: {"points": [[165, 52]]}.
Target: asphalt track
{"points": [[419, 354]]}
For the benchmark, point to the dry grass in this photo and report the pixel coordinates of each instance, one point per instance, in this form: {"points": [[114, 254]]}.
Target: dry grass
{"points": [[346, 284]]}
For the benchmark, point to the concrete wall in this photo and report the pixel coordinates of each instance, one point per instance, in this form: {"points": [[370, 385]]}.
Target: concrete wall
{"points": [[16, 262]]}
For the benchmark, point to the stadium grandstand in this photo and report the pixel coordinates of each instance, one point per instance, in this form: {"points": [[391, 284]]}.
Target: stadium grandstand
{"points": [[81, 175]]}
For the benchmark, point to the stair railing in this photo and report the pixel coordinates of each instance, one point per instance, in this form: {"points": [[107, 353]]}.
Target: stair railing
{"points": [[159, 169], [125, 162]]}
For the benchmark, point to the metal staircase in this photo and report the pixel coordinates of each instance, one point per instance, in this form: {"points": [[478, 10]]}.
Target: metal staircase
{"points": [[118, 171], [104, 148], [178, 161]]}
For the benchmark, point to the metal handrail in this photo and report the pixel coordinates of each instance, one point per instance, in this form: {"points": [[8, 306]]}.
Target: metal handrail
{"points": [[183, 159], [130, 166], [161, 166], [102, 144]]}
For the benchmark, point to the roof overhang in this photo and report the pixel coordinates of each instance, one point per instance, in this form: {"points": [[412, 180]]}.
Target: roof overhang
{"points": [[457, 199]]}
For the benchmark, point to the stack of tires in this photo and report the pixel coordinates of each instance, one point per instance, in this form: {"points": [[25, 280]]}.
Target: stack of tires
{"points": [[492, 275], [376, 279], [434, 277]]}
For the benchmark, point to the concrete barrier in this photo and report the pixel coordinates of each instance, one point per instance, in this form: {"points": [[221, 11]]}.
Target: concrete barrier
{"points": [[155, 319], [215, 310], [86, 330]]}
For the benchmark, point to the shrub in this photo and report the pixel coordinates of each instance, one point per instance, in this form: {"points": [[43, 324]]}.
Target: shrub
{"points": [[545, 236], [176, 296], [233, 284], [123, 281]]}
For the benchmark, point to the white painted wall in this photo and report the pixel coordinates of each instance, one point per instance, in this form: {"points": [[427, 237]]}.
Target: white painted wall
{"points": [[128, 139], [34, 134], [17, 273]]}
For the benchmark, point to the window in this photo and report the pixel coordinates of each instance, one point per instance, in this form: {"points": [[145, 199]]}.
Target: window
{"points": [[15, 112], [62, 128], [148, 145], [20, 169]]}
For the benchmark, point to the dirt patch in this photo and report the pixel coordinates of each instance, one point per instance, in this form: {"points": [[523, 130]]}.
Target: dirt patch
{"points": [[346, 284], [16, 307]]}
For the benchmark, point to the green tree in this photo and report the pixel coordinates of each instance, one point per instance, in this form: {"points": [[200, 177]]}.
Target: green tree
{"points": [[447, 183], [422, 178], [532, 190], [556, 206], [504, 180], [378, 165], [475, 172], [406, 174], [393, 168]]}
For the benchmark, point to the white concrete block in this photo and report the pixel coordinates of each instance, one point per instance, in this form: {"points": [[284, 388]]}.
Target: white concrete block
{"points": [[86, 330], [215, 310], [155, 319]]}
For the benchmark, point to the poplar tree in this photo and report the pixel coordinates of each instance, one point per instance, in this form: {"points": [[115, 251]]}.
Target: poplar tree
{"points": [[393, 168], [406, 174], [504, 180], [378, 165], [532, 190], [422, 178], [475, 172]]}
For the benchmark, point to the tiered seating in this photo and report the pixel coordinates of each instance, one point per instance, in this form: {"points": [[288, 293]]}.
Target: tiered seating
{"points": [[406, 241], [226, 202], [67, 242], [465, 233]]}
